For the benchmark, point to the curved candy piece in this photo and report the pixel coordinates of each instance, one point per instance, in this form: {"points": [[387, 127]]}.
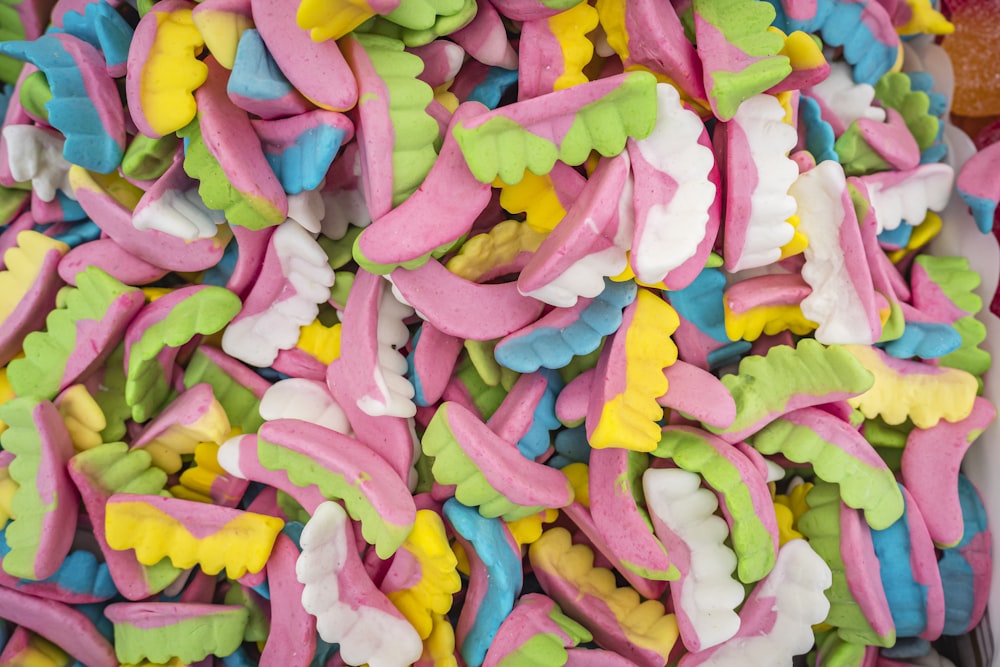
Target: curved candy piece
{"points": [[257, 84], [698, 394], [967, 567], [299, 57], [777, 618], [650, 35], [235, 386], [409, 234], [188, 534], [842, 300], [930, 467], [544, 200], [553, 51], [326, 21], [300, 149], [490, 473], [943, 287], [484, 38], [789, 378], [79, 336], [978, 186], [463, 308], [307, 400], [738, 53], [858, 606], [868, 146], [504, 249], [349, 610], [35, 154], [28, 285], [395, 132], [293, 280], [677, 195], [908, 567], [702, 302], [344, 469], [527, 414], [767, 304], [838, 454], [639, 630], [535, 632], [495, 578], [588, 245], [61, 624], [85, 105], [105, 29], [224, 155], [164, 69], [747, 502], [869, 40], [529, 10], [618, 512], [44, 505], [623, 410], [600, 115], [192, 418], [162, 631], [429, 365], [706, 595], [842, 101], [375, 331], [153, 338], [555, 338], [292, 641], [759, 174], [423, 575], [905, 196], [931, 394], [109, 201], [111, 258], [221, 23], [172, 205]]}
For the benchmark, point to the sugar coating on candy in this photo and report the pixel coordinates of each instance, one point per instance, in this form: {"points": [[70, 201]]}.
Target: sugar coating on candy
{"points": [[538, 631]]}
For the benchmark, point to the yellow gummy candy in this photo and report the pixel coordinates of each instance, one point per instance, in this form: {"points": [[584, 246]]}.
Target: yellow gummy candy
{"points": [[439, 580], [23, 262], [320, 342], [630, 418], [178, 440], [535, 196], [924, 18], [529, 529], [498, 247], [799, 241], [83, 417], [332, 20], [921, 235], [770, 320], [221, 33], [7, 489], [925, 398], [172, 72], [242, 545], [578, 475], [570, 29], [439, 647]]}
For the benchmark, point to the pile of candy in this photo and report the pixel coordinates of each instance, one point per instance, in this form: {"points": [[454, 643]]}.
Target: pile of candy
{"points": [[486, 332]]}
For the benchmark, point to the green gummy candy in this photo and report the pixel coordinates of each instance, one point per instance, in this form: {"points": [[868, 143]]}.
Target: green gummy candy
{"points": [[893, 90], [258, 622], [821, 525], [110, 396], [422, 21], [339, 251], [767, 386], [114, 468], [955, 278], [147, 158], [969, 356], [40, 371], [857, 157], [414, 130], [217, 633], [215, 188], [35, 94], [11, 30], [342, 284], [487, 398], [205, 312], [880, 434], [241, 405], [751, 540], [862, 486]]}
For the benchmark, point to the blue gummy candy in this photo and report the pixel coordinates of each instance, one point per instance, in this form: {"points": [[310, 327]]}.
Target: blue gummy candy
{"points": [[493, 87], [819, 133], [907, 598], [926, 340], [505, 576], [103, 28], [701, 303], [255, 74], [303, 164]]}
